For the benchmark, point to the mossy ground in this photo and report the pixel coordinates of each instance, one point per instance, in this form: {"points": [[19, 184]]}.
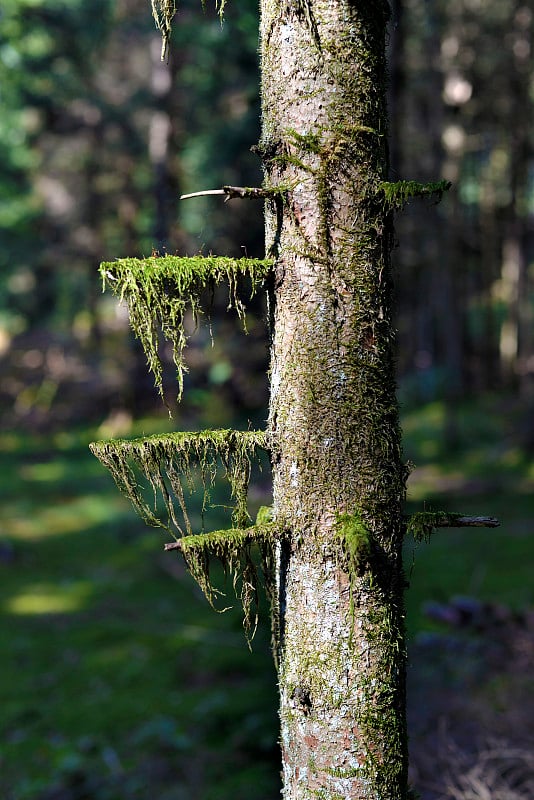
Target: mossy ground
{"points": [[116, 672]]}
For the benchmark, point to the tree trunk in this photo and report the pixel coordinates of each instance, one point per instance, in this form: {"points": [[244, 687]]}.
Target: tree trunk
{"points": [[333, 426]]}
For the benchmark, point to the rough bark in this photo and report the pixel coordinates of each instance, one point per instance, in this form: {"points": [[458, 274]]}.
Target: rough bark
{"points": [[333, 428]]}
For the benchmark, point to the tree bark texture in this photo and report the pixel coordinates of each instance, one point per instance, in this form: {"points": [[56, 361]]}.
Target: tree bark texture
{"points": [[339, 482]]}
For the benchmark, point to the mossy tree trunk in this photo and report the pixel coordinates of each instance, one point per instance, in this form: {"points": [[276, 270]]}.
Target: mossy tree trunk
{"points": [[336, 527], [333, 426]]}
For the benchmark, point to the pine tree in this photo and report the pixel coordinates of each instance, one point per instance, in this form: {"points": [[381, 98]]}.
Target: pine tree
{"points": [[331, 545]]}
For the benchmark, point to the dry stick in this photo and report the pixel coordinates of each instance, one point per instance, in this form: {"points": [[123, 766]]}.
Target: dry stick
{"points": [[253, 193], [451, 521]]}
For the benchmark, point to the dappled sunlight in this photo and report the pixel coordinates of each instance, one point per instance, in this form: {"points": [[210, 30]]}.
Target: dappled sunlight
{"points": [[71, 516], [430, 479], [49, 471], [43, 598]]}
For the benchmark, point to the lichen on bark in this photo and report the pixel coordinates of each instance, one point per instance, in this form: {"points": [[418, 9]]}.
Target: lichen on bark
{"points": [[333, 421], [161, 289], [175, 465]]}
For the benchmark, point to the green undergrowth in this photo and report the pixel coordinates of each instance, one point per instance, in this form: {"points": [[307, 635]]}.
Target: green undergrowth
{"points": [[161, 290], [116, 675], [468, 460]]}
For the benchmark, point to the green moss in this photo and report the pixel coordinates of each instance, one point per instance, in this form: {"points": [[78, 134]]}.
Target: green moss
{"points": [[422, 524], [233, 548], [308, 143], [356, 541], [264, 515], [169, 463], [175, 465], [383, 693], [338, 772], [396, 195], [159, 291]]}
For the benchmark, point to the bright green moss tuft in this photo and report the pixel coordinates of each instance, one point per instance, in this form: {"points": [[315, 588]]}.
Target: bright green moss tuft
{"points": [[170, 462], [159, 291], [264, 515], [396, 195], [356, 541]]}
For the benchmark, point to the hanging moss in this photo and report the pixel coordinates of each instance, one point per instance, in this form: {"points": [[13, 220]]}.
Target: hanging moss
{"points": [[170, 463], [159, 291], [163, 12], [233, 548], [396, 195]]}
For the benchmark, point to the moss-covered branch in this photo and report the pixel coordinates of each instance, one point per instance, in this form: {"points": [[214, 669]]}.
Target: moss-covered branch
{"points": [[233, 548], [159, 291], [422, 524], [396, 195], [170, 463]]}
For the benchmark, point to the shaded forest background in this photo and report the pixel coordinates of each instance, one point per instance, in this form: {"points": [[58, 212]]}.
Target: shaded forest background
{"points": [[98, 138]]}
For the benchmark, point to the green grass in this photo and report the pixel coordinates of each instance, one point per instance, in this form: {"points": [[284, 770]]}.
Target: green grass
{"points": [[117, 679], [485, 472], [118, 682]]}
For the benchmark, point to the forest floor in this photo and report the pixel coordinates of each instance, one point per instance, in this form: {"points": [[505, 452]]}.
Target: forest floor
{"points": [[117, 676]]}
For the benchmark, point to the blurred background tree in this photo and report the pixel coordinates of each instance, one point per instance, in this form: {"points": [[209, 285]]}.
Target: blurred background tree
{"points": [[99, 138]]}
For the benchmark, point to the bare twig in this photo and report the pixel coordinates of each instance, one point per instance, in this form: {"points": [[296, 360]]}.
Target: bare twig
{"points": [[229, 192], [201, 194], [422, 524], [454, 521], [173, 546]]}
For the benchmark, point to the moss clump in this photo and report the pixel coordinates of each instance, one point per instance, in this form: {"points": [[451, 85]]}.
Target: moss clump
{"points": [[356, 541], [264, 515], [234, 549], [159, 291], [422, 524], [170, 462], [396, 195]]}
